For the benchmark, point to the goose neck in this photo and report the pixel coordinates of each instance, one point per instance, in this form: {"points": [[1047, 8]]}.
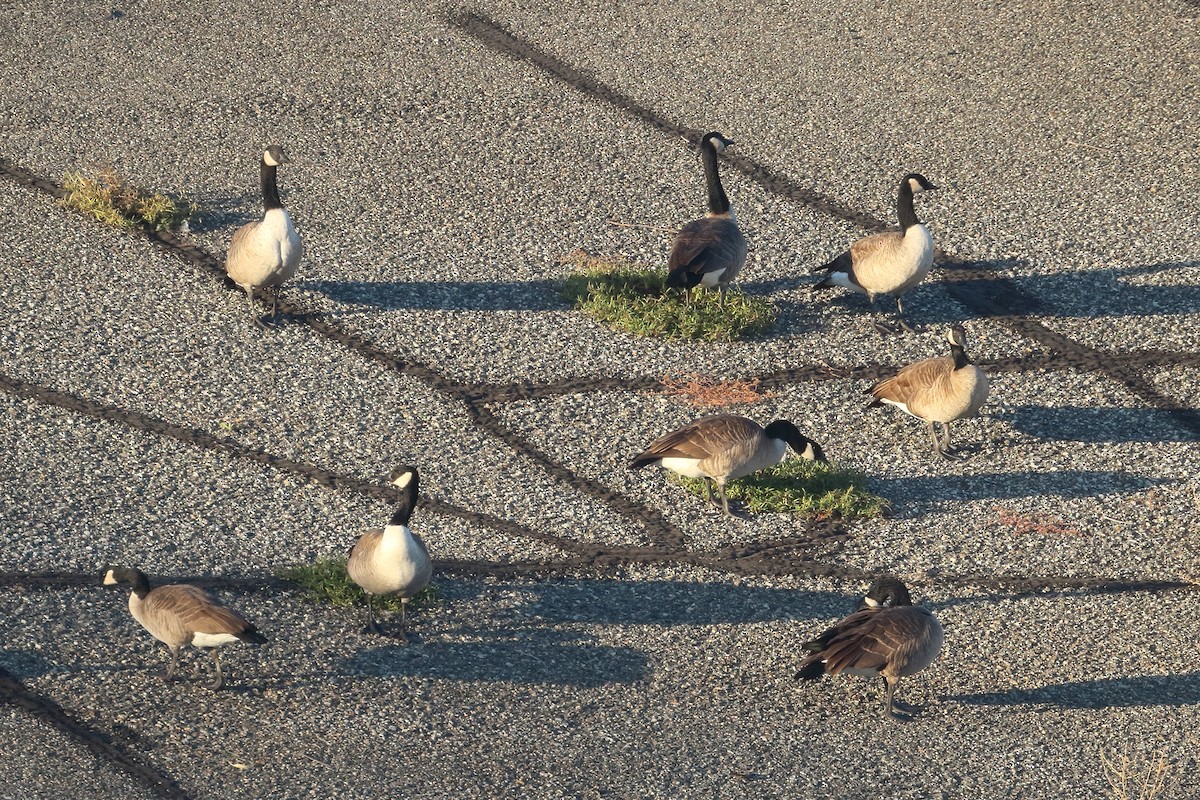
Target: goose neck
{"points": [[718, 203], [904, 207], [270, 189], [960, 356]]}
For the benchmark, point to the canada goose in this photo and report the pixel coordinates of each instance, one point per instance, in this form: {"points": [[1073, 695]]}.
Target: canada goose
{"points": [[887, 636], [392, 560], [726, 446], [937, 390], [264, 253], [181, 614], [887, 263], [709, 251]]}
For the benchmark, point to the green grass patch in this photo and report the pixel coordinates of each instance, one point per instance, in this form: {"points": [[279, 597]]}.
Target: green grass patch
{"points": [[325, 582], [799, 486], [637, 300], [110, 199]]}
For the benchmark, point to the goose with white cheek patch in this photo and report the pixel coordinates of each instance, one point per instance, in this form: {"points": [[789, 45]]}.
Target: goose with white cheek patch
{"points": [[887, 263], [264, 253], [181, 614], [726, 446], [887, 637], [393, 560], [937, 390], [710, 251]]}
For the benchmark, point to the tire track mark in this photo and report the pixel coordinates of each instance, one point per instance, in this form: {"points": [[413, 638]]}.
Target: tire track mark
{"points": [[15, 694], [1000, 300]]}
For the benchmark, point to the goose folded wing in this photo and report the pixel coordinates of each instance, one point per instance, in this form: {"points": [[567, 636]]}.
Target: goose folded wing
{"points": [[196, 610]]}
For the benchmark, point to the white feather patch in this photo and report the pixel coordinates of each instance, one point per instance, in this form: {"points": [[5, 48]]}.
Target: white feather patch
{"points": [[213, 639], [687, 467]]}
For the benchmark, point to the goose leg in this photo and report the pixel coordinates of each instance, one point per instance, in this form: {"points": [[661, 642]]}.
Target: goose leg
{"points": [[875, 310], [254, 311], [724, 499], [708, 497], [217, 681], [403, 633], [372, 626], [900, 316], [170, 676], [944, 448], [937, 445]]}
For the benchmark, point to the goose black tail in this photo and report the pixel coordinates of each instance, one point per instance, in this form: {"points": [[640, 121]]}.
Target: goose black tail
{"points": [[252, 636]]}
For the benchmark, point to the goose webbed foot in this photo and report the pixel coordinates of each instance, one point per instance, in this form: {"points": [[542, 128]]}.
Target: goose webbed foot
{"points": [[885, 329], [904, 324]]}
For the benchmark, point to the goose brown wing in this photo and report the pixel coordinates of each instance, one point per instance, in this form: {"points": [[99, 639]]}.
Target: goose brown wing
{"points": [[702, 438], [878, 638], [705, 245], [913, 379], [195, 610], [870, 246]]}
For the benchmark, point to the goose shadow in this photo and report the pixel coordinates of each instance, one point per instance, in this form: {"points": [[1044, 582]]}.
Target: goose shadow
{"points": [[521, 660], [1099, 425], [541, 295], [1132, 692], [217, 212], [1109, 292], [924, 492]]}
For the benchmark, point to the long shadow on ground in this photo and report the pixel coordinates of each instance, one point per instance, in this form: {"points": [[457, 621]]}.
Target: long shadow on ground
{"points": [[1142, 690]]}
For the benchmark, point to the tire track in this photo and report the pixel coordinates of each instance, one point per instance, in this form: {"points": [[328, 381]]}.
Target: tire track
{"points": [[15, 694], [998, 299]]}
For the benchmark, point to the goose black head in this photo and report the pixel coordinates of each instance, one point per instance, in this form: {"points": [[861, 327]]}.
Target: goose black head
{"points": [[956, 336], [887, 591], [406, 479], [134, 577], [273, 156], [804, 446], [716, 141], [918, 182]]}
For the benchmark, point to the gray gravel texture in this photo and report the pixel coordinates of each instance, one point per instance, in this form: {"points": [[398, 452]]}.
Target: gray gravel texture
{"points": [[438, 185]]}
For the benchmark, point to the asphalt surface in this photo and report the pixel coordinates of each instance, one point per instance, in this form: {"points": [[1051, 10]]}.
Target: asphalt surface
{"points": [[599, 633]]}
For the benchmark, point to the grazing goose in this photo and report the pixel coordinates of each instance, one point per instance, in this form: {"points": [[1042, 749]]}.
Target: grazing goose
{"points": [[264, 253], [887, 263], [937, 390], [392, 560], [709, 251], [182, 614], [726, 446], [888, 636]]}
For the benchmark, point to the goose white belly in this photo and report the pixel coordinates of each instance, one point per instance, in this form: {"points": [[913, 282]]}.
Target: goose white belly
{"points": [[398, 564], [212, 639], [687, 467], [271, 253], [917, 251]]}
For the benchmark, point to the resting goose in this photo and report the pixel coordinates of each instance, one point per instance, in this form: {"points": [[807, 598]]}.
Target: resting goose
{"points": [[181, 614], [393, 560], [887, 263], [726, 446], [264, 253], [888, 636], [937, 390], [709, 251]]}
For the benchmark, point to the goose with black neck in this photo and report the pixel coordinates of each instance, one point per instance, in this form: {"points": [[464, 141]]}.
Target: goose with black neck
{"points": [[264, 253], [709, 251], [892, 262]]}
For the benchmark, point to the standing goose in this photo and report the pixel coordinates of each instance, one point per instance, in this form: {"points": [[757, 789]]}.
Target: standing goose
{"points": [[937, 390], [888, 636], [887, 263], [181, 614], [726, 446], [392, 560], [264, 253], [709, 251]]}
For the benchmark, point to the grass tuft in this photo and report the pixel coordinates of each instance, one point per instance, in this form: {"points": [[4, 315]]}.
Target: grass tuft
{"points": [[325, 582], [637, 300], [110, 199], [799, 486]]}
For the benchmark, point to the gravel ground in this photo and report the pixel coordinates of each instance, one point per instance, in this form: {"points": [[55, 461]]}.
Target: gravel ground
{"points": [[438, 184]]}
